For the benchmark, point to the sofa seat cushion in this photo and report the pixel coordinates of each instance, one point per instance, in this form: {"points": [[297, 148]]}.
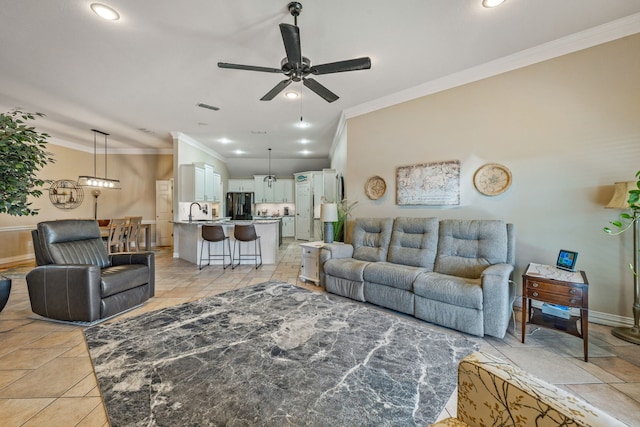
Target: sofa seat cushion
{"points": [[392, 275], [453, 290], [121, 278], [346, 268]]}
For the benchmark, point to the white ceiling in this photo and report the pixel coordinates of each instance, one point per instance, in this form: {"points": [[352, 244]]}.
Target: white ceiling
{"points": [[140, 78]]}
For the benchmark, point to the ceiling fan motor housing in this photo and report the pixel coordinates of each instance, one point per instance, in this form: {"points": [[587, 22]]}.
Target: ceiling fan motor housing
{"points": [[295, 8]]}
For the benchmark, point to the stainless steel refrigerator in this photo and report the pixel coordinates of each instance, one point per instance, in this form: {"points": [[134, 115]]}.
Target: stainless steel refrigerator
{"points": [[239, 205]]}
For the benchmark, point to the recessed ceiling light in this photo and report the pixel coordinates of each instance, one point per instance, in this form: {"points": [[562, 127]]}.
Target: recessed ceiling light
{"points": [[305, 152], [302, 125], [238, 152], [104, 11], [492, 3], [224, 141], [291, 95], [304, 141]]}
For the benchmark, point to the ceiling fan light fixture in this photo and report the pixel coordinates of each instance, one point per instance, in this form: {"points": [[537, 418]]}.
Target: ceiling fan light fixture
{"points": [[105, 12], [492, 3], [291, 95]]}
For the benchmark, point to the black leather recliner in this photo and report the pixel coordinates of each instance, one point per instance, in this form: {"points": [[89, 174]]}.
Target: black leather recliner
{"points": [[76, 280]]}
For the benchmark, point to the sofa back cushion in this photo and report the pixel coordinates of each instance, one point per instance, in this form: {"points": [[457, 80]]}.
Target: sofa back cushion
{"points": [[414, 242], [72, 241], [370, 238], [467, 247]]}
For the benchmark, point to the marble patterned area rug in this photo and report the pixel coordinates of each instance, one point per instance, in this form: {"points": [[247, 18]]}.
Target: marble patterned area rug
{"points": [[274, 354]]}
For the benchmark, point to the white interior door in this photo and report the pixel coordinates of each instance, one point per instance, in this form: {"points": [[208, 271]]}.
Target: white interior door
{"points": [[303, 210], [164, 213]]}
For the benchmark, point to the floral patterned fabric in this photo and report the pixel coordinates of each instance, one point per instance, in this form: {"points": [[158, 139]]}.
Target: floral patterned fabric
{"points": [[494, 393]]}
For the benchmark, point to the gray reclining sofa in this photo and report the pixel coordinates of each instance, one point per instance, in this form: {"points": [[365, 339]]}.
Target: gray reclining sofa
{"points": [[76, 280], [454, 273]]}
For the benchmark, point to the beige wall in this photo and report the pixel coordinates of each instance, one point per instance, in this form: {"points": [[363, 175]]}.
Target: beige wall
{"points": [[137, 174], [567, 128]]}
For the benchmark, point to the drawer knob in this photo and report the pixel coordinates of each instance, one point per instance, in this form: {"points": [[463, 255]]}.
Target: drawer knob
{"points": [[535, 294], [572, 291], [572, 301], [534, 284]]}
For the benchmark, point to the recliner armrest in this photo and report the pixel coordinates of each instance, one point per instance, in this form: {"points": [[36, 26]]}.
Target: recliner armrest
{"points": [[497, 296], [335, 251], [65, 292], [500, 270], [145, 258], [127, 258]]}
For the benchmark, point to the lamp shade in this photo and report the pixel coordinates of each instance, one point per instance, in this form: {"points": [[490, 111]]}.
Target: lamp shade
{"points": [[620, 199], [329, 212]]}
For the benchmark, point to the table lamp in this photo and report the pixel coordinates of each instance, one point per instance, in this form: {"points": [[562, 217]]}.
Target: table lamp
{"points": [[328, 215], [620, 200]]}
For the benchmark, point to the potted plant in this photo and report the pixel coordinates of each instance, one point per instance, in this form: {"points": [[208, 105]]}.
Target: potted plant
{"points": [[625, 221], [344, 210], [22, 155]]}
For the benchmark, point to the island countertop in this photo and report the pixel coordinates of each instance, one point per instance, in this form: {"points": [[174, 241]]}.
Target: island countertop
{"points": [[228, 222], [190, 242]]}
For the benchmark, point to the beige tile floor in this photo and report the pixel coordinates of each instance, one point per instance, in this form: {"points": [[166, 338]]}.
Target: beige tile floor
{"points": [[46, 377]]}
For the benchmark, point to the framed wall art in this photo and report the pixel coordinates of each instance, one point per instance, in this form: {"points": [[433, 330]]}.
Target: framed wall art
{"points": [[432, 184]]}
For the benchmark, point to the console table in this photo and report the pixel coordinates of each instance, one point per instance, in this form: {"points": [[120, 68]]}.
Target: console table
{"points": [[549, 284]]}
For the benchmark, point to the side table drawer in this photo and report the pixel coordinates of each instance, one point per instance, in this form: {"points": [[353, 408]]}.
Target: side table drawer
{"points": [[554, 288], [554, 298]]}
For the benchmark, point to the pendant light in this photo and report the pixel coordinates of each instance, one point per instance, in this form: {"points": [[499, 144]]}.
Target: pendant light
{"points": [[270, 179], [95, 181]]}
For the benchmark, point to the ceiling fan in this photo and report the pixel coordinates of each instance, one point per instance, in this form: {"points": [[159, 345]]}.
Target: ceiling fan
{"points": [[297, 67]]}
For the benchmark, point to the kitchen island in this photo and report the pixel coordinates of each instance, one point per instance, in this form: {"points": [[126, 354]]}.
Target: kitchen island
{"points": [[190, 240]]}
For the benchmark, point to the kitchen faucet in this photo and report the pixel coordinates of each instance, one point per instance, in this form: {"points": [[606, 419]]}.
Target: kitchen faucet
{"points": [[190, 207]]}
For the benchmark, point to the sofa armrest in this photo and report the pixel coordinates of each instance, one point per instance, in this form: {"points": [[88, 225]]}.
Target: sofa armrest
{"points": [[493, 392], [497, 295], [335, 251], [145, 258], [65, 292]]}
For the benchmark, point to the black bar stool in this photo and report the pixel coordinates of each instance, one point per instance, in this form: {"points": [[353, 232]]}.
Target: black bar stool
{"points": [[246, 233], [211, 234]]}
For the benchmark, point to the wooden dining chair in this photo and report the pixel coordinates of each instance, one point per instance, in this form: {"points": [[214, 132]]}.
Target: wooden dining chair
{"points": [[116, 239], [132, 233]]}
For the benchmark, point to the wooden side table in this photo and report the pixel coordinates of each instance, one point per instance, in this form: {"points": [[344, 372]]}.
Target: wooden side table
{"points": [[548, 284]]}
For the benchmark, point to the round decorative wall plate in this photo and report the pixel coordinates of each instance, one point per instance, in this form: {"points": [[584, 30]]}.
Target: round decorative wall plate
{"points": [[492, 179], [375, 187]]}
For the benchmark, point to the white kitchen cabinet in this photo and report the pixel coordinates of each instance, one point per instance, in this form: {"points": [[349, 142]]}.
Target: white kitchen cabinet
{"points": [[283, 191], [242, 185], [288, 226], [199, 183], [217, 188], [258, 182], [192, 183]]}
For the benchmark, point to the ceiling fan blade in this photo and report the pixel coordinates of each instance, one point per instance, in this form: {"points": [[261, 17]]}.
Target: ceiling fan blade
{"points": [[324, 93], [341, 66], [249, 67], [276, 90], [291, 39]]}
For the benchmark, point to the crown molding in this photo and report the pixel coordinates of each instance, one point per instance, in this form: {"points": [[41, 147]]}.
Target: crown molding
{"points": [[129, 151], [183, 137], [575, 42]]}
